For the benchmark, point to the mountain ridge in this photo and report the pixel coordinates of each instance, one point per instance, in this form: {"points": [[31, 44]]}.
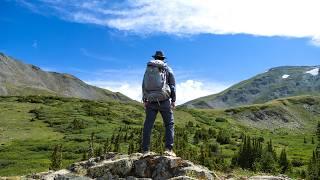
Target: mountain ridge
{"points": [[18, 78], [277, 82]]}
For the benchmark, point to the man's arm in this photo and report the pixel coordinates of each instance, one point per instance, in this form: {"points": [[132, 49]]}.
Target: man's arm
{"points": [[172, 84], [143, 92]]}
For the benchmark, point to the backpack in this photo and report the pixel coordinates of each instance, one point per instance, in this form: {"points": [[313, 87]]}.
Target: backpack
{"points": [[155, 82]]}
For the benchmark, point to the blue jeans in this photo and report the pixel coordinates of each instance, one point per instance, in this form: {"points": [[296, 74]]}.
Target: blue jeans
{"points": [[152, 110]]}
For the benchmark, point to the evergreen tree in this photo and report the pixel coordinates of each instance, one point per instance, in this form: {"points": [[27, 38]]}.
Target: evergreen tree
{"points": [[116, 144], [267, 163], [313, 167], [304, 140], [84, 156], [312, 140], [131, 147], [91, 146], [125, 138], [283, 161], [318, 133], [56, 158], [249, 152], [99, 151], [271, 150], [313, 171], [106, 147]]}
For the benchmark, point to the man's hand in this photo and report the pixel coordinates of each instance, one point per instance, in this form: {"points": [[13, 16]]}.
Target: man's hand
{"points": [[145, 103], [173, 105]]}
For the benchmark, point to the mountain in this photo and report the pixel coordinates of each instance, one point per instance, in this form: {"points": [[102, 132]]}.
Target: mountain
{"points": [[276, 83], [17, 78]]}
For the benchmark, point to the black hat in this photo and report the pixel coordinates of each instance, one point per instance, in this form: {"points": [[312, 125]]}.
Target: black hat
{"points": [[159, 54]]}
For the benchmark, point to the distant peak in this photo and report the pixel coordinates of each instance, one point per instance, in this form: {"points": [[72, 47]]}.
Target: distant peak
{"points": [[2, 54], [292, 67]]}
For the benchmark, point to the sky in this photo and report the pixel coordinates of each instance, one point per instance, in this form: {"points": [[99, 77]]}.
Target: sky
{"points": [[210, 44]]}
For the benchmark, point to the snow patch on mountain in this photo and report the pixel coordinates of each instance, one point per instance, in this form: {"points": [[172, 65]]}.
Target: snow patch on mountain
{"points": [[285, 76], [313, 72]]}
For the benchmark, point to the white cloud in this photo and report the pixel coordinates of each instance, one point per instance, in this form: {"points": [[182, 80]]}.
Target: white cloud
{"points": [[290, 18], [315, 41], [186, 90], [130, 89], [192, 89]]}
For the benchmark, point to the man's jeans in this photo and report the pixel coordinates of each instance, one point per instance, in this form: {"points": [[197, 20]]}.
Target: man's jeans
{"points": [[152, 109]]}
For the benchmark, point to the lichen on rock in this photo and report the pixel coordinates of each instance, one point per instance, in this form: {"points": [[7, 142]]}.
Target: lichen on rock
{"points": [[130, 167]]}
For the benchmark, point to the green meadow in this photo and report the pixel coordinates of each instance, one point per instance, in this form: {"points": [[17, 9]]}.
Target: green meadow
{"points": [[30, 127]]}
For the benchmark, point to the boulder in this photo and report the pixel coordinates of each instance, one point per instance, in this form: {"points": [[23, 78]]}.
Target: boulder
{"points": [[129, 167]]}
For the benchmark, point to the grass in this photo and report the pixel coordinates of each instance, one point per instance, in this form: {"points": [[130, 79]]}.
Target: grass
{"points": [[30, 126]]}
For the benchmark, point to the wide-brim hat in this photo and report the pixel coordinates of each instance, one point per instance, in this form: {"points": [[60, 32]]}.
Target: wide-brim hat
{"points": [[159, 54]]}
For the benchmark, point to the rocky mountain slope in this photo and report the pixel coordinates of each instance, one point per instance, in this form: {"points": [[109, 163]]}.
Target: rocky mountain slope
{"points": [[17, 78], [276, 83]]}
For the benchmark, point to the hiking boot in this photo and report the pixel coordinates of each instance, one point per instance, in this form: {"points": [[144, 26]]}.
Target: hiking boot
{"points": [[146, 153], [169, 152]]}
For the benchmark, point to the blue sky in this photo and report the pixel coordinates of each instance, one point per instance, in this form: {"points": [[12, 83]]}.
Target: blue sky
{"points": [[108, 43]]}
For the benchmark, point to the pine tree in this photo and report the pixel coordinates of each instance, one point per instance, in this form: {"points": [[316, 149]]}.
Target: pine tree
{"points": [[283, 161], [312, 140], [84, 156], [99, 151], [249, 152], [106, 147], [56, 158], [313, 171], [271, 150], [116, 147], [125, 138], [91, 146], [131, 147], [267, 163]]}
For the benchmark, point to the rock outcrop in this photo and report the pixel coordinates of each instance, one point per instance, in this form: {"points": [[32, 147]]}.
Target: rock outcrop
{"points": [[130, 167]]}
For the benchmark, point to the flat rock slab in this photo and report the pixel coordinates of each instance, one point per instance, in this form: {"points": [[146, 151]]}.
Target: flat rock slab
{"points": [[129, 167]]}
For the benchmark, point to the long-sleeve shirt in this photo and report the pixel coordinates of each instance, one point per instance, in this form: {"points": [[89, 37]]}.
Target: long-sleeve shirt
{"points": [[172, 84]]}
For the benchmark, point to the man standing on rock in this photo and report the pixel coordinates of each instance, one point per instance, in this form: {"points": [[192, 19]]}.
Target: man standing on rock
{"points": [[159, 95]]}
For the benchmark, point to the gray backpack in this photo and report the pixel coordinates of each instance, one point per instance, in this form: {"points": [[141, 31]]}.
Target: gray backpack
{"points": [[155, 82]]}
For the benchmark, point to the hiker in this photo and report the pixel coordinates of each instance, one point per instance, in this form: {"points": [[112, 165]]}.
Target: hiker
{"points": [[159, 95]]}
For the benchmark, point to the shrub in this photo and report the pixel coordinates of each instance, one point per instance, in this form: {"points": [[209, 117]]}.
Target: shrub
{"points": [[221, 119], [223, 137], [5, 163], [297, 162], [267, 163], [128, 121], [214, 148]]}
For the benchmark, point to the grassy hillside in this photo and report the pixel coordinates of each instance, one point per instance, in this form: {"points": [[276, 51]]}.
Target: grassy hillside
{"points": [[31, 126]]}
